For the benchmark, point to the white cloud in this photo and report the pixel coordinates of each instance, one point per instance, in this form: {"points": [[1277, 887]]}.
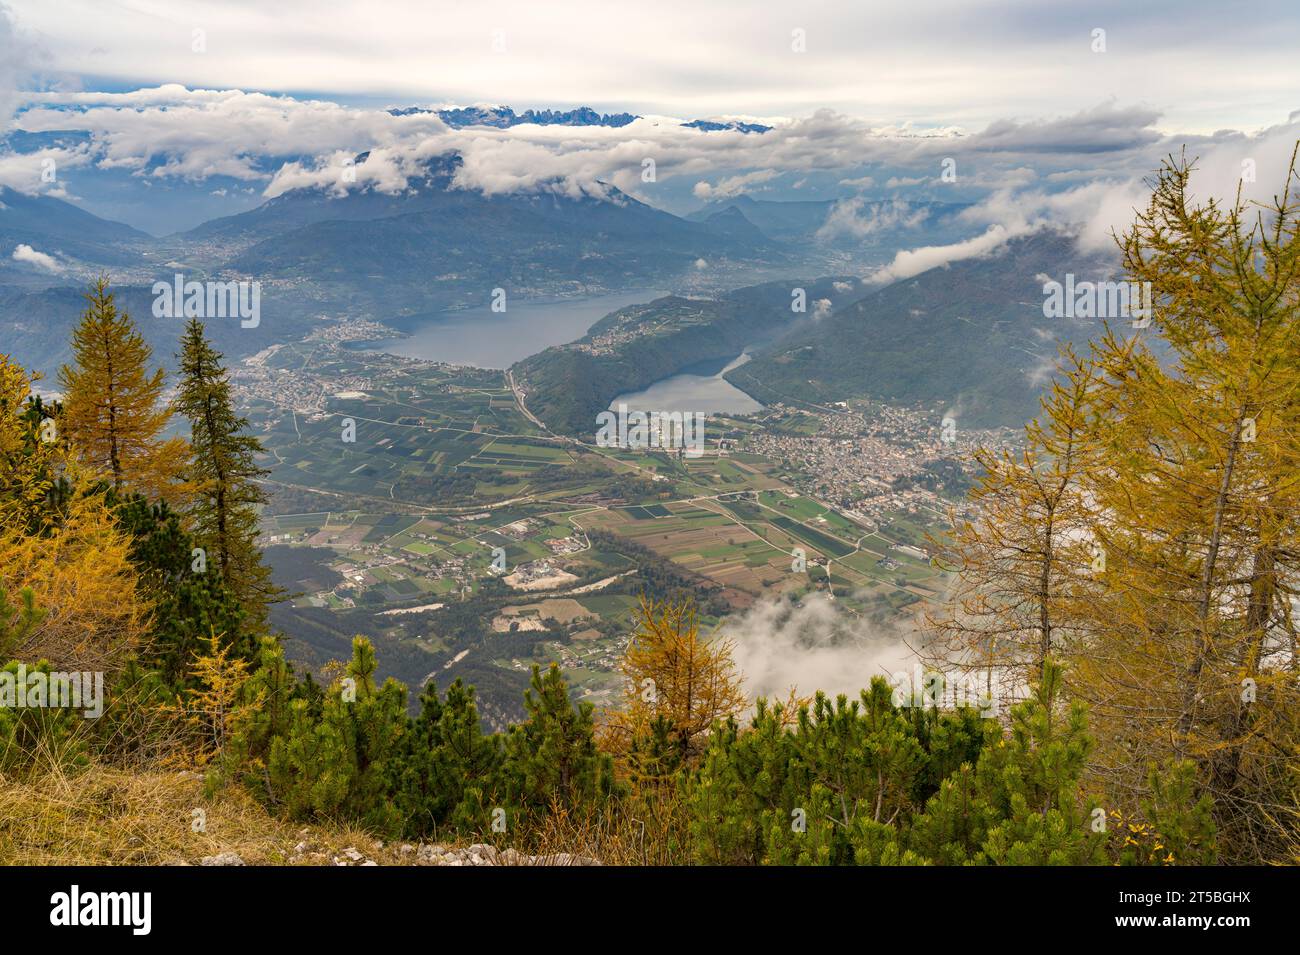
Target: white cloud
{"points": [[857, 218], [1011, 170], [25, 253], [733, 185], [171, 131], [811, 646], [909, 262], [936, 63]]}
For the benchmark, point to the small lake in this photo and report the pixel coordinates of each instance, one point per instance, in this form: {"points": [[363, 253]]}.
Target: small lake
{"points": [[699, 387], [487, 339]]}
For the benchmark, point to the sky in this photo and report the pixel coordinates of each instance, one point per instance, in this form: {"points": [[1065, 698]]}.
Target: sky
{"points": [[1203, 65], [1045, 109]]}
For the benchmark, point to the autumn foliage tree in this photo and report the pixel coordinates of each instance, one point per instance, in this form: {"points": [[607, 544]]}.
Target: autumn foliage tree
{"points": [[1023, 566], [113, 412], [1151, 535], [678, 684]]}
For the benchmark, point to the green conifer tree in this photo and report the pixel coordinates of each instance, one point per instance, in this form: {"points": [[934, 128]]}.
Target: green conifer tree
{"points": [[223, 472], [552, 757]]}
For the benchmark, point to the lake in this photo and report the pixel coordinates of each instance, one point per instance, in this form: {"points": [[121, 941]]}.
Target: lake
{"points": [[487, 339], [699, 387]]}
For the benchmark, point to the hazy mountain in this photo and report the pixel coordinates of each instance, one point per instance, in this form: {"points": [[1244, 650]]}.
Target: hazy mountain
{"points": [[435, 246], [856, 224], [732, 222], [778, 219], [504, 117], [969, 338], [65, 233], [710, 126]]}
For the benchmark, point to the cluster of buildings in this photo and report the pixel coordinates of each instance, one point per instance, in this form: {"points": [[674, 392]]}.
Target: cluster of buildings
{"points": [[859, 460], [630, 326]]}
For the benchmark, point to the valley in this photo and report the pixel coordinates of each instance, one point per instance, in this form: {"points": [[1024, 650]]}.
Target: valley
{"points": [[469, 541]]}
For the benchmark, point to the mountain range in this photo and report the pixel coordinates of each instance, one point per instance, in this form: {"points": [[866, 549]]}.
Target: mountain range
{"points": [[503, 117], [969, 336], [366, 253]]}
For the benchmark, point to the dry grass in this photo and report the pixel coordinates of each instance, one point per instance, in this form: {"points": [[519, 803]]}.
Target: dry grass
{"points": [[641, 831], [107, 816], [111, 817]]}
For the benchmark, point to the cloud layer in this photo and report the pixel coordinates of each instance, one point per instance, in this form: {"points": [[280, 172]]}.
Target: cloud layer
{"points": [[928, 62]]}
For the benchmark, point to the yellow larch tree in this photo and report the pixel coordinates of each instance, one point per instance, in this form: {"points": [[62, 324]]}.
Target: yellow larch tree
{"points": [[113, 412]]}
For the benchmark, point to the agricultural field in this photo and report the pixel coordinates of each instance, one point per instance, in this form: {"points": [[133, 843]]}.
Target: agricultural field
{"points": [[470, 538]]}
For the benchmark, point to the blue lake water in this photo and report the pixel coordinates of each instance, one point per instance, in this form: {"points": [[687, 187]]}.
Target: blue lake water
{"points": [[697, 388], [487, 339]]}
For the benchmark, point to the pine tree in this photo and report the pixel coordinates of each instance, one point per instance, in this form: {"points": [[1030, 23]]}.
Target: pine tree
{"points": [[112, 409], [1032, 781], [17, 621], [223, 473], [551, 758], [839, 784], [337, 763], [449, 771]]}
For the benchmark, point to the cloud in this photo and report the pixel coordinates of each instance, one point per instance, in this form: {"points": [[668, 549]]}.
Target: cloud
{"points": [[26, 171], [857, 218], [910, 262], [25, 253], [812, 646], [733, 185], [1103, 128], [1084, 168], [171, 131], [950, 62], [17, 54], [285, 142]]}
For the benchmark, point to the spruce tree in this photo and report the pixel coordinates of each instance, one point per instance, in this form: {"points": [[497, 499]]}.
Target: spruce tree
{"points": [[188, 606], [223, 474]]}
